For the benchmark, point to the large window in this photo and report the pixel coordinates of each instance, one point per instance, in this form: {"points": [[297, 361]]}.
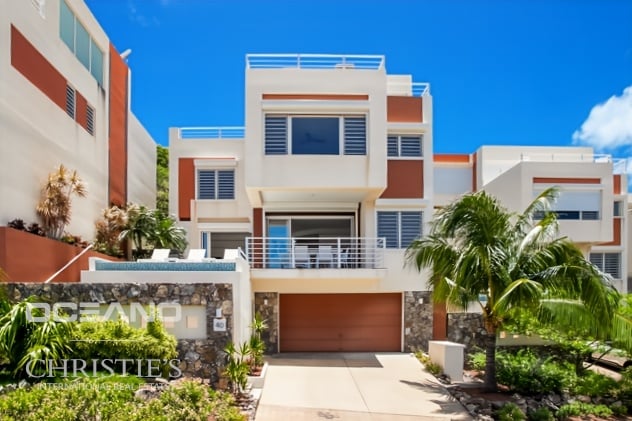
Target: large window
{"points": [[609, 263], [216, 243], [77, 38], [409, 146], [399, 228], [315, 135], [572, 204], [216, 184]]}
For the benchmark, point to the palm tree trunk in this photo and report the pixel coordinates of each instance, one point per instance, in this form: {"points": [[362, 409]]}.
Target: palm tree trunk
{"points": [[490, 361]]}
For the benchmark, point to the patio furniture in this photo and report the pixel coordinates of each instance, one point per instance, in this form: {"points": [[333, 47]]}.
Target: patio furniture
{"points": [[302, 259]]}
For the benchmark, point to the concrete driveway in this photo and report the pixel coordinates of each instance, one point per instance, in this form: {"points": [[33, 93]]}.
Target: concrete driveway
{"points": [[353, 386]]}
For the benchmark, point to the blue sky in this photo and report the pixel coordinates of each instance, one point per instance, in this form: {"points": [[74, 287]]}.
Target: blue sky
{"points": [[522, 72]]}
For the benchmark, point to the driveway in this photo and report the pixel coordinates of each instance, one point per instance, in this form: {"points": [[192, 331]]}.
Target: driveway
{"points": [[353, 386]]}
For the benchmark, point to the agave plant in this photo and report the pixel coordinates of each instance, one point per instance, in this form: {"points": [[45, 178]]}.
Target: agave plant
{"points": [[55, 204]]}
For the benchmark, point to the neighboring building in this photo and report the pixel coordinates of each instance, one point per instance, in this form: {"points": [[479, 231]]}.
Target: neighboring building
{"points": [[65, 99], [330, 180], [324, 188], [592, 202]]}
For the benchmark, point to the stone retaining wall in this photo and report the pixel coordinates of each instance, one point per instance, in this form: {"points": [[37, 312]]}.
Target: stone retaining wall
{"points": [[417, 320], [198, 357], [267, 305], [467, 329]]}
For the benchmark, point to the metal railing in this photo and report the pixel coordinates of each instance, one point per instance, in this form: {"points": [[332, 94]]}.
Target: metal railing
{"points": [[396, 88], [314, 61], [227, 132], [566, 157], [315, 252]]}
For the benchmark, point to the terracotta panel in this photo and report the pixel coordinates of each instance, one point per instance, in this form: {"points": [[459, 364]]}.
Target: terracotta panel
{"points": [[474, 172], [340, 322], [439, 322], [28, 257], [31, 63], [566, 180], [617, 183], [186, 187], [405, 179], [452, 158], [81, 113], [322, 97], [118, 129], [404, 109], [616, 233], [257, 233]]}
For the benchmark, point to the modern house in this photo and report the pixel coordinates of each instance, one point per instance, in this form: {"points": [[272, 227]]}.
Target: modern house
{"points": [[65, 99], [331, 178]]}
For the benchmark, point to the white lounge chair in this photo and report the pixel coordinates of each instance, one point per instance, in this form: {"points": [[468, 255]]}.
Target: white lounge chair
{"points": [[158, 255], [301, 257], [231, 254], [195, 255]]}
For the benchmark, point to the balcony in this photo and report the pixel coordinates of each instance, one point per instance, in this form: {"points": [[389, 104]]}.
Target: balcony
{"points": [[314, 61], [315, 252], [220, 132]]}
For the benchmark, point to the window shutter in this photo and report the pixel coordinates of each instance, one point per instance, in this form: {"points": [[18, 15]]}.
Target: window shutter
{"points": [[226, 184], [612, 264], [410, 146], [411, 225], [90, 119], [70, 101], [392, 147], [355, 135], [275, 135], [206, 184], [387, 227]]}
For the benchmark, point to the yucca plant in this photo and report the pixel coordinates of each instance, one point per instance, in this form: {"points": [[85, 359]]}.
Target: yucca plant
{"points": [[236, 369], [55, 205]]}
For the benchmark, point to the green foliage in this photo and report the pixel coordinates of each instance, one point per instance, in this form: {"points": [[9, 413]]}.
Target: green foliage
{"points": [[112, 398], [582, 409], [24, 341], [237, 367], [594, 385], [432, 368], [256, 345], [99, 340], [510, 412], [162, 179], [541, 414], [153, 228], [109, 227]]}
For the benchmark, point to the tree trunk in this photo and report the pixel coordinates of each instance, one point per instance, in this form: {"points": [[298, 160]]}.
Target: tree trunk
{"points": [[490, 361]]}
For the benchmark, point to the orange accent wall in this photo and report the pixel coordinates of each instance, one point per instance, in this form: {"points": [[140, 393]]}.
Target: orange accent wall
{"points": [[347, 97], [81, 114], [31, 63], [257, 232], [118, 129], [452, 158], [439, 322], [617, 183], [474, 171], [404, 109], [186, 187], [28, 257], [405, 179], [616, 233], [565, 180]]}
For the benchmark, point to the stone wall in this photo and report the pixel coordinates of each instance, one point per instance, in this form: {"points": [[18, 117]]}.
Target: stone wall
{"points": [[267, 305], [198, 357], [467, 329], [417, 320]]}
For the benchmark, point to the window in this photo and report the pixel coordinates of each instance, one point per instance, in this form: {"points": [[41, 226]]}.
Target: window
{"points": [[90, 119], [70, 101], [609, 263], [315, 135], [577, 205], [405, 146], [215, 243], [77, 38], [399, 228], [216, 184], [618, 205]]}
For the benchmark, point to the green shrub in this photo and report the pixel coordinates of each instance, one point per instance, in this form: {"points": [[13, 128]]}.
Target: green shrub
{"points": [[582, 409], [510, 412], [594, 385], [432, 368], [477, 361], [541, 414], [111, 398], [100, 340]]}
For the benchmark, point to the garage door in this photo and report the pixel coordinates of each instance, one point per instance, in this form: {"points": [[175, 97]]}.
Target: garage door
{"points": [[340, 322]]}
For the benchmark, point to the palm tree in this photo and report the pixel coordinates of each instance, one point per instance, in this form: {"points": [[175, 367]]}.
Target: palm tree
{"points": [[477, 251], [56, 203], [167, 234], [141, 223]]}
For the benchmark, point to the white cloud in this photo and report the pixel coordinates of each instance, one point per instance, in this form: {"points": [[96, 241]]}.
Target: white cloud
{"points": [[609, 124]]}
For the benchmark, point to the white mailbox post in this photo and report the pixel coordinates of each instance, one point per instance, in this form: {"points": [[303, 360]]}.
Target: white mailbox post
{"points": [[449, 355]]}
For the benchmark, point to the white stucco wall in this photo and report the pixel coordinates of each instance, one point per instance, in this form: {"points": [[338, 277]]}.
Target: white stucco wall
{"points": [[141, 156]]}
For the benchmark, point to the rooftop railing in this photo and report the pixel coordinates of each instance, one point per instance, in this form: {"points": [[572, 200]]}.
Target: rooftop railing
{"points": [[408, 88], [315, 252], [314, 61], [566, 157], [227, 132]]}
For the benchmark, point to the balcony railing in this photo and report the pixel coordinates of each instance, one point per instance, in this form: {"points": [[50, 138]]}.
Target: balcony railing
{"points": [[566, 157], [314, 61], [315, 252], [227, 132]]}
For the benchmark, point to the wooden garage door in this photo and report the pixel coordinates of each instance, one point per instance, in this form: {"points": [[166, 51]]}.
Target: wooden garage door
{"points": [[340, 322]]}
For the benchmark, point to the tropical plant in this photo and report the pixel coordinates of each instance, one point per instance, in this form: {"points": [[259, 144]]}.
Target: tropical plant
{"points": [[477, 251], [113, 221], [55, 205], [152, 228], [29, 337], [162, 179], [237, 367], [167, 234]]}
